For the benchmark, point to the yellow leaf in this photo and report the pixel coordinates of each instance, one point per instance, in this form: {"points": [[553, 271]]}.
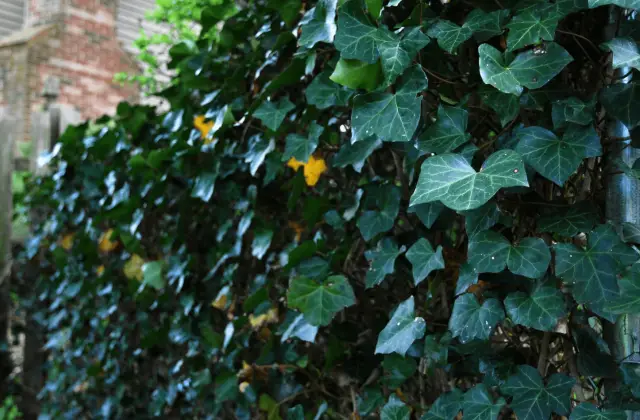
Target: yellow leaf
{"points": [[67, 241], [220, 303], [312, 169], [204, 127], [100, 270], [133, 267], [106, 244], [267, 318]]}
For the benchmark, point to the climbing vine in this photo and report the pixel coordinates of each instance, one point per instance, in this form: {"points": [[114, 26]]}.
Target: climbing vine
{"points": [[353, 208]]}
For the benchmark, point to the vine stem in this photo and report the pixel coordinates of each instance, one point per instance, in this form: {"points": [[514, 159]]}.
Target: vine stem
{"points": [[581, 37], [544, 353]]}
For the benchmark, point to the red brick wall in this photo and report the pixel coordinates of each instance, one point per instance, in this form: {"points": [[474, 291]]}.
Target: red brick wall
{"points": [[84, 57]]}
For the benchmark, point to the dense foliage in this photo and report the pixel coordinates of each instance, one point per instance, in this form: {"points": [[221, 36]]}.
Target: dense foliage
{"points": [[353, 208]]}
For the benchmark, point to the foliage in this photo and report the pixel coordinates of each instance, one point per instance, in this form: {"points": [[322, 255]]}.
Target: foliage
{"points": [[351, 209]]}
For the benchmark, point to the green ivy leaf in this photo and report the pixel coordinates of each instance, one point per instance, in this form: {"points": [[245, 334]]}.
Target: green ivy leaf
{"points": [[631, 232], [392, 117], [295, 413], [628, 299], [323, 93], [204, 186], [482, 218], [580, 217], [395, 409], [622, 101], [300, 147], [449, 35], [298, 327], [261, 242], [424, 259], [446, 407], [356, 154], [592, 271], [532, 69], [467, 276], [626, 4], [447, 133], [381, 260], [152, 275], [540, 310], [470, 320], [402, 330], [318, 24], [357, 37], [486, 25], [478, 404], [531, 27], [588, 411], [428, 212], [450, 179], [572, 111], [355, 74], [397, 369], [387, 200], [396, 53], [506, 105], [319, 302], [532, 400], [272, 113], [557, 159]]}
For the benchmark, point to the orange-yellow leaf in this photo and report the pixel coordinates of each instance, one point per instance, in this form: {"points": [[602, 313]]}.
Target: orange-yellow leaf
{"points": [[203, 126], [106, 244], [67, 241], [133, 267], [269, 317], [294, 164], [220, 303], [312, 169]]}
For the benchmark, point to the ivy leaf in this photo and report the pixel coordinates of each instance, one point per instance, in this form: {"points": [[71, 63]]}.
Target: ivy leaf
{"points": [[478, 404], [300, 328], [628, 300], [532, 400], [446, 407], [259, 148], [470, 320], [580, 217], [625, 53], [572, 110], [592, 271], [482, 218], [356, 74], [272, 113], [397, 369], [392, 117], [540, 310], [318, 24], [506, 105], [532, 69], [531, 27], [449, 35], [631, 376], [396, 53], [261, 242], [467, 276], [152, 275], [622, 101], [395, 409], [356, 154], [490, 252], [402, 330], [557, 159], [631, 232], [387, 200], [427, 213], [323, 93], [381, 261], [626, 4], [424, 259], [447, 133], [320, 301], [588, 411], [486, 25], [357, 37], [300, 148], [450, 179]]}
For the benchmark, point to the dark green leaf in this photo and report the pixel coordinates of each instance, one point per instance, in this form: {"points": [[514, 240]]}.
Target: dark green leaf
{"points": [[382, 261], [478, 404], [319, 302], [356, 154], [402, 330], [580, 217], [557, 159], [482, 218], [447, 133], [318, 24], [395, 409], [396, 53], [628, 299], [300, 147], [446, 407], [532, 69], [531, 27], [373, 222], [532, 400], [428, 212], [572, 111], [449, 35], [622, 101], [392, 117], [357, 37], [204, 186], [506, 105], [272, 113], [540, 310], [424, 259], [467, 276], [323, 93], [397, 369], [470, 320], [631, 232], [450, 179], [588, 411]]}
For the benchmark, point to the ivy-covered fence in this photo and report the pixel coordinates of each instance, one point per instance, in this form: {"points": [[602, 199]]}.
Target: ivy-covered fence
{"points": [[353, 208]]}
